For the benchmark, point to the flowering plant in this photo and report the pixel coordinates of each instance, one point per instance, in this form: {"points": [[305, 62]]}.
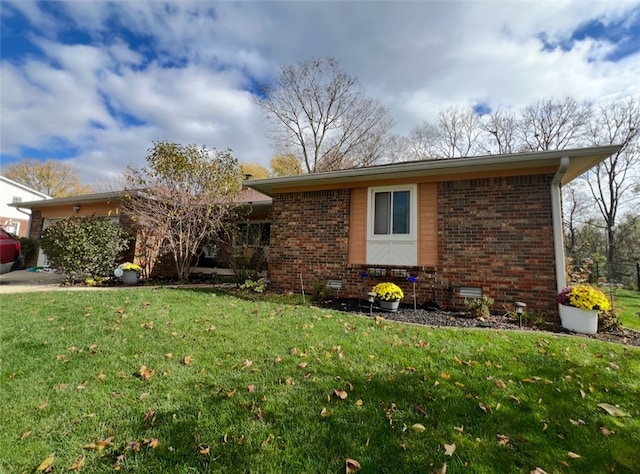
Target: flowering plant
{"points": [[584, 297], [388, 291], [133, 267]]}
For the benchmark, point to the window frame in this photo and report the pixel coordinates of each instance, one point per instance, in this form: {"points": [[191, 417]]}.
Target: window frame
{"points": [[412, 236]]}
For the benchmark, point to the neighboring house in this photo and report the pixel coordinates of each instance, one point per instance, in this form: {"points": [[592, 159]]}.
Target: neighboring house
{"points": [[15, 219], [488, 225], [44, 213]]}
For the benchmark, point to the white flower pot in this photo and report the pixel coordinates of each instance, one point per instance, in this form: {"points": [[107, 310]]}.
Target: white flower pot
{"points": [[579, 320], [129, 277], [390, 305]]}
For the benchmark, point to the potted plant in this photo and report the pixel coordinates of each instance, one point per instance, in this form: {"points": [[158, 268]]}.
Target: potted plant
{"points": [[579, 307], [129, 273], [388, 295]]}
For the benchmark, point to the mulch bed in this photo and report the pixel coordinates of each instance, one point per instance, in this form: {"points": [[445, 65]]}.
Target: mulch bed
{"points": [[440, 318]]}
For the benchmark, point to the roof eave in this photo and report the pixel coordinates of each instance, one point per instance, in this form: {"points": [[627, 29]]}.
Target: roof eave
{"points": [[587, 158]]}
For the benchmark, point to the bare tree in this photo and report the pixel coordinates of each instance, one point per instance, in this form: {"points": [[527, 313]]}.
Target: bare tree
{"points": [[52, 177], [500, 129], [554, 124], [456, 132], [185, 195], [322, 115], [614, 179]]}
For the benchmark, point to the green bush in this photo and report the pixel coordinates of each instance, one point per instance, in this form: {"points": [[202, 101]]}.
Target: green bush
{"points": [[479, 307], [84, 247], [27, 247], [320, 291]]}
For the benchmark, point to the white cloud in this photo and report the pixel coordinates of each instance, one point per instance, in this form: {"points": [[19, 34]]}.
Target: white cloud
{"points": [[186, 75]]}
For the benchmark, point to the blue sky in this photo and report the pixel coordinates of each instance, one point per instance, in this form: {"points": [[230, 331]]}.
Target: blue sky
{"points": [[95, 83]]}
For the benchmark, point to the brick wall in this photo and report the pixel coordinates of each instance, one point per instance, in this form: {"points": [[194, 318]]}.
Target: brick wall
{"points": [[35, 232], [309, 237], [493, 233], [497, 234]]}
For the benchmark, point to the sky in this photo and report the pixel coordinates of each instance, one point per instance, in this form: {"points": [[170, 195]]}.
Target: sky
{"points": [[96, 83]]}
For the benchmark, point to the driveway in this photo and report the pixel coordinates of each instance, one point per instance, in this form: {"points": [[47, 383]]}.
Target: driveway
{"points": [[21, 281]]}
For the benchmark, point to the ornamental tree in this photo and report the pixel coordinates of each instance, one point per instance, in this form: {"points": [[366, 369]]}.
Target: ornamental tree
{"points": [[180, 200]]}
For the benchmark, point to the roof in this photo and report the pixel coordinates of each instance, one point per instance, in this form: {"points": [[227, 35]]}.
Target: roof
{"points": [[24, 188], [247, 196], [580, 161]]}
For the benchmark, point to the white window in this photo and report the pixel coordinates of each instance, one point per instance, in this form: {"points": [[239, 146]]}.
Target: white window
{"points": [[392, 225]]}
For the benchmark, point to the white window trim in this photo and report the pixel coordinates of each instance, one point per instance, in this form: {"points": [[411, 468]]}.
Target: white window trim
{"points": [[412, 236], [393, 249]]}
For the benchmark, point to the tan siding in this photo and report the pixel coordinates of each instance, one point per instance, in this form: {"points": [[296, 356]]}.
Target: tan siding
{"points": [[428, 224], [358, 227]]}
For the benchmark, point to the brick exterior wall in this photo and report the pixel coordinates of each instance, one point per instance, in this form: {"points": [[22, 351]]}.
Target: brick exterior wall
{"points": [[493, 233], [497, 234], [309, 237], [34, 235]]}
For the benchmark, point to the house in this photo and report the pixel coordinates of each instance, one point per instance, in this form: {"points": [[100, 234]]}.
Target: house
{"points": [[465, 227], [15, 219], [46, 212]]}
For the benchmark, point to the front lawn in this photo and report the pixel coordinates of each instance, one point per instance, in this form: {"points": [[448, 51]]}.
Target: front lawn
{"points": [[626, 306], [182, 380]]}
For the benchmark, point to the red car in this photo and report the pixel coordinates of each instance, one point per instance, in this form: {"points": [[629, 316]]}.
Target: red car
{"points": [[10, 256]]}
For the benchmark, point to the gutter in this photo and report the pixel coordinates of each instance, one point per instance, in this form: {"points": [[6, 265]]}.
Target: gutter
{"points": [[556, 216]]}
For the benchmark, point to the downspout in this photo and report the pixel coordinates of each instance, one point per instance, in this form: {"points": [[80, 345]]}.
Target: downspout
{"points": [[556, 216], [28, 214]]}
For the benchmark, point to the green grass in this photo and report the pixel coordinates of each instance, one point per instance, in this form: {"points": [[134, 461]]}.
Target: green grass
{"points": [[260, 390], [626, 306]]}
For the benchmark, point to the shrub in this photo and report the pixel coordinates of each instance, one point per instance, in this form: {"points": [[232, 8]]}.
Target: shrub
{"points": [[320, 291], [258, 286], [84, 247], [27, 247], [479, 306]]}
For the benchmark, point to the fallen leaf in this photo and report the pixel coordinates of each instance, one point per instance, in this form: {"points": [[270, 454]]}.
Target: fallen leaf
{"points": [[47, 464], [351, 465], [187, 360], [500, 383], [145, 373], [204, 449], [268, 440], [445, 375], [104, 443], [459, 429], [133, 446], [442, 470], [418, 427], [341, 394], [79, 464], [251, 388], [324, 412], [303, 365], [25, 435], [231, 393], [449, 449], [359, 402], [606, 431], [612, 410], [151, 443], [504, 440], [538, 470], [573, 455]]}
